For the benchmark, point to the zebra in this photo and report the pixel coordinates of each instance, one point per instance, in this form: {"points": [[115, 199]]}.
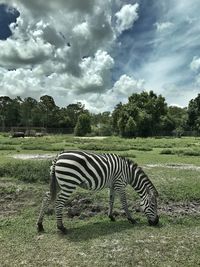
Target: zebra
{"points": [[92, 171]]}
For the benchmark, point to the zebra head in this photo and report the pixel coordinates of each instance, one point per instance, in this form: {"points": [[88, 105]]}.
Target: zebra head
{"points": [[149, 206]]}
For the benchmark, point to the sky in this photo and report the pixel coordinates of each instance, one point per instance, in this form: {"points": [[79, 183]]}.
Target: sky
{"points": [[99, 52]]}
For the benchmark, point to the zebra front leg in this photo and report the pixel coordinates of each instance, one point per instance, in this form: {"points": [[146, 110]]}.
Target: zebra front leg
{"points": [[122, 194], [43, 210], [111, 202]]}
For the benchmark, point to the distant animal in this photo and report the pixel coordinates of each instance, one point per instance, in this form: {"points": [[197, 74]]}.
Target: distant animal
{"points": [[18, 134], [72, 169]]}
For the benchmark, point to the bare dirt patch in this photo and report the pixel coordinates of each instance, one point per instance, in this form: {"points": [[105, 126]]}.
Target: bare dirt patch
{"points": [[92, 137], [85, 207], [33, 156], [180, 208], [15, 196]]}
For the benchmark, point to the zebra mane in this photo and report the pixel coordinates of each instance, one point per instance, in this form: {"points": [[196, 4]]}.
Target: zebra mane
{"points": [[129, 161], [134, 165]]}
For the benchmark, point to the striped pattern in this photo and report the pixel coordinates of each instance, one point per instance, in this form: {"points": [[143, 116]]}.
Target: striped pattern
{"points": [[94, 172]]}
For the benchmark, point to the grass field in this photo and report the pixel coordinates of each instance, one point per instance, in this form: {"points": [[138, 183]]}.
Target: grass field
{"points": [[172, 164]]}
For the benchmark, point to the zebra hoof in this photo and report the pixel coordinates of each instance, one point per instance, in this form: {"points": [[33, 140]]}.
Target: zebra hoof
{"points": [[62, 229], [112, 218], [40, 228]]}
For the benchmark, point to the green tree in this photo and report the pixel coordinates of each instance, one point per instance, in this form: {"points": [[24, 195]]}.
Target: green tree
{"points": [[26, 111], [167, 124], [74, 111], [145, 124], [64, 119], [146, 110], [116, 114], [9, 112], [178, 115], [194, 114], [4, 103], [122, 123], [130, 128], [151, 108], [49, 111], [83, 125]]}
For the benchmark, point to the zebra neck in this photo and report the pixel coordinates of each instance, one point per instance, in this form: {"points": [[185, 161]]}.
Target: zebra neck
{"points": [[140, 182]]}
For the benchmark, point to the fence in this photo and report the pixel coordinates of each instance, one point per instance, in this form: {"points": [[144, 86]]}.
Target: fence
{"points": [[29, 130]]}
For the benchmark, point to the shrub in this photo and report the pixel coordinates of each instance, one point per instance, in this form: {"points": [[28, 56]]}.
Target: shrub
{"points": [[191, 153], [166, 151], [182, 152], [104, 147], [105, 130]]}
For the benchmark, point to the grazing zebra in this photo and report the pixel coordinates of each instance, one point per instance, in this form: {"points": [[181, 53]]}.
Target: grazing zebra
{"points": [[94, 172]]}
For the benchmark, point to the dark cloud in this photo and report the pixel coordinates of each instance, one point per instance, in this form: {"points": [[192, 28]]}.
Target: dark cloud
{"points": [[7, 16]]}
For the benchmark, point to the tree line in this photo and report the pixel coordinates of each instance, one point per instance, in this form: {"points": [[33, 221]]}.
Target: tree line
{"points": [[144, 114]]}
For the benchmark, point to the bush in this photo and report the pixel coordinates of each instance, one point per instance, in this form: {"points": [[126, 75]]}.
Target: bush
{"points": [[166, 151], [191, 153], [105, 130], [181, 152], [104, 147]]}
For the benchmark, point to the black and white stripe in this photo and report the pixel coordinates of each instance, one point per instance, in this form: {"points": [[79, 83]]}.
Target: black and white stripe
{"points": [[72, 169]]}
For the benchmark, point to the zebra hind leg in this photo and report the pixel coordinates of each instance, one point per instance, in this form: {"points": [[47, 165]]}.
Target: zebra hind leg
{"points": [[111, 203], [43, 210], [59, 204]]}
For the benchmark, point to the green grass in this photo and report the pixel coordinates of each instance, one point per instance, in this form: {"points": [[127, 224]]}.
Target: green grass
{"points": [[96, 241], [27, 171], [176, 184]]}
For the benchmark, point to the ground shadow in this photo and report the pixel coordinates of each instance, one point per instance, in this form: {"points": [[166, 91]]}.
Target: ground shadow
{"points": [[96, 229]]}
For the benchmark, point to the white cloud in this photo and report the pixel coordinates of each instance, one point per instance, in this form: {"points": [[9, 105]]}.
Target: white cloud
{"points": [[127, 85], [163, 26], [126, 17], [21, 82], [119, 92], [17, 53], [195, 67], [96, 72], [182, 96], [195, 64], [82, 30]]}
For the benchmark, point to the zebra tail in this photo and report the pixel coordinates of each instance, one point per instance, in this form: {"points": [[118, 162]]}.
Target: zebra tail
{"points": [[53, 182]]}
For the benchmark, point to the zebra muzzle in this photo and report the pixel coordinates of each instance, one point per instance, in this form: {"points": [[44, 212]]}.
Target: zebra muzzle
{"points": [[154, 222]]}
